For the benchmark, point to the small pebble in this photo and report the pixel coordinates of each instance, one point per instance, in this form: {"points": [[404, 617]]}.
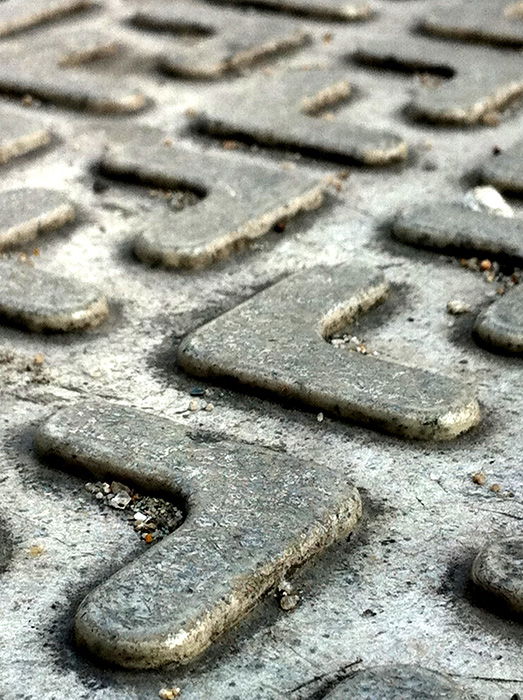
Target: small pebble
{"points": [[209, 407], [496, 488], [288, 598], [457, 307], [487, 199], [289, 602], [285, 587], [147, 514], [36, 550], [231, 145], [121, 500], [470, 263], [194, 405], [169, 693], [117, 487], [319, 417], [479, 478], [197, 391]]}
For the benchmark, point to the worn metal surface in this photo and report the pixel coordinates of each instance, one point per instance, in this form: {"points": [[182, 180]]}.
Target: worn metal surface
{"points": [[279, 110], [505, 170], [40, 301], [252, 516], [451, 226], [399, 592], [26, 213], [230, 39], [501, 325], [277, 341], [20, 134], [398, 683], [242, 200], [497, 569]]}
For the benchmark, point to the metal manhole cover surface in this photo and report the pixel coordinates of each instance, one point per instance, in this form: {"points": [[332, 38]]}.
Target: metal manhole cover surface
{"points": [[261, 334]]}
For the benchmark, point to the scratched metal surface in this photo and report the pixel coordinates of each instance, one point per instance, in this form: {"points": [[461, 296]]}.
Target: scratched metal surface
{"points": [[397, 593]]}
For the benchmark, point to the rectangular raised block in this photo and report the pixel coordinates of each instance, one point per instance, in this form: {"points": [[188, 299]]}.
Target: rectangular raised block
{"points": [[277, 341], [505, 170], [20, 134], [40, 301], [489, 21], [480, 82], [454, 227], [243, 198], [279, 110], [500, 326], [61, 74], [397, 682], [17, 15], [26, 213], [233, 39], [252, 516], [343, 10]]}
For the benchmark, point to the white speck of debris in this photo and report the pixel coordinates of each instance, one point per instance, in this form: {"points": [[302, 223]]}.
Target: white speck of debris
{"points": [[194, 405], [140, 517], [457, 307], [487, 199], [117, 487], [285, 586], [121, 500], [319, 417], [351, 343], [288, 598], [289, 602]]}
